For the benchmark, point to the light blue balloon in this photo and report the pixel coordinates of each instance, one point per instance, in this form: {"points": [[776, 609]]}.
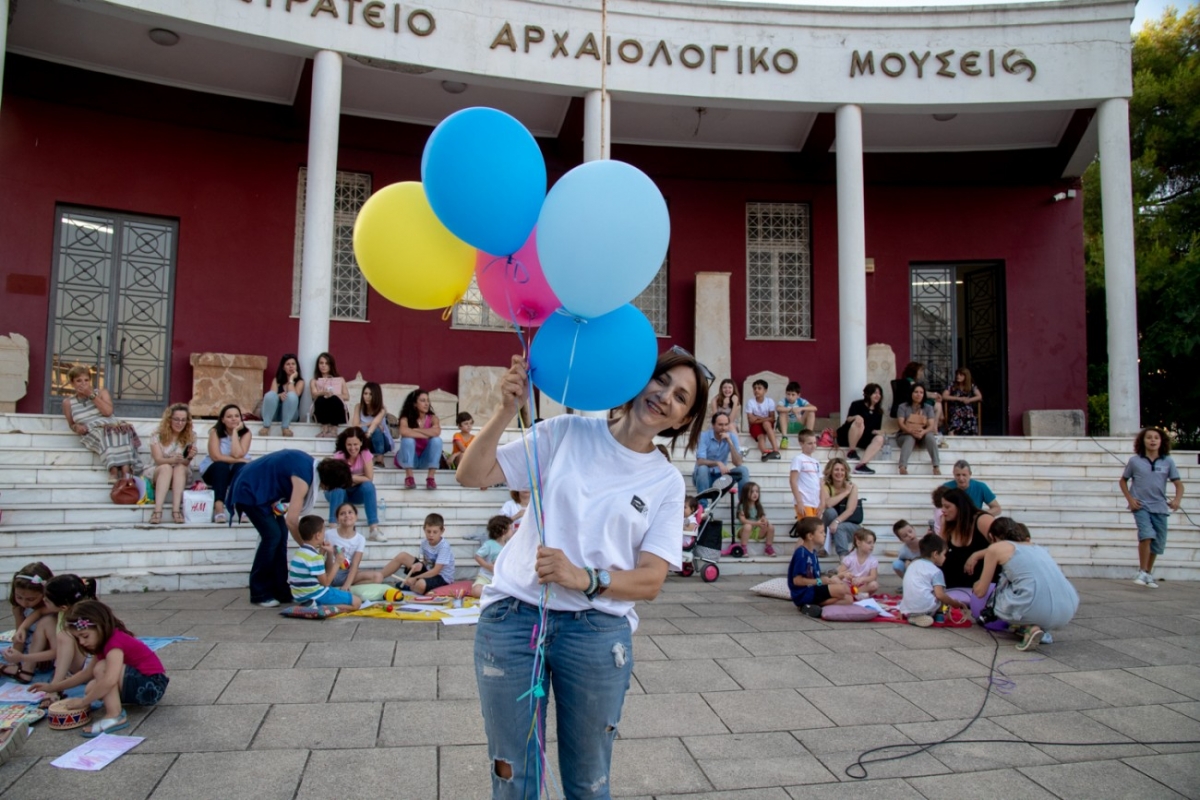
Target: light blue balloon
{"points": [[594, 364], [485, 178], [602, 236]]}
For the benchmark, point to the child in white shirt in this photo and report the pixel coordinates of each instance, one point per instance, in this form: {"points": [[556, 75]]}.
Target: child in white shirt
{"points": [[860, 569], [925, 585], [760, 413], [515, 507], [349, 546], [806, 478]]}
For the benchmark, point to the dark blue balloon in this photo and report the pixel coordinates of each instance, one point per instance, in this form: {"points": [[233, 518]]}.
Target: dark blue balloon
{"points": [[485, 178], [594, 364]]}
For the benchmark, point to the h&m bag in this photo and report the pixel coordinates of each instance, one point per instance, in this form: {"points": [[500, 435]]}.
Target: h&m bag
{"points": [[125, 492], [198, 505]]}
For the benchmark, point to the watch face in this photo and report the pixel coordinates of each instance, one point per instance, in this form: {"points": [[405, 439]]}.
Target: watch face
{"points": [[604, 578]]}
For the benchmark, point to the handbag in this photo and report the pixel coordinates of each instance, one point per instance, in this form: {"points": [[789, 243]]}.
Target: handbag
{"points": [[124, 492], [198, 505]]}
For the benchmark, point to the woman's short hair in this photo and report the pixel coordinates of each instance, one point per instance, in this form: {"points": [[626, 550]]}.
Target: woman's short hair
{"points": [[694, 426], [78, 370]]}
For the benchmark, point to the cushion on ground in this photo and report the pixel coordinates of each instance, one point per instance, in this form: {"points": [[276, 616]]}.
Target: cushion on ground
{"points": [[370, 591], [453, 589], [839, 612], [775, 587]]}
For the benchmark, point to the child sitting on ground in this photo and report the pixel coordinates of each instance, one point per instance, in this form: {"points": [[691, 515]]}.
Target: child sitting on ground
{"points": [[925, 585], [860, 569], [795, 413], [760, 413], [515, 507], [752, 516], [809, 591], [910, 546], [348, 547], [500, 530], [27, 595], [462, 440], [122, 668], [313, 567], [435, 566], [53, 642]]}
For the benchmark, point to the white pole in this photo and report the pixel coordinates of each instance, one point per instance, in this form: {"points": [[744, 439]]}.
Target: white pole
{"points": [[596, 125], [317, 265], [3, 40], [852, 256], [1120, 276]]}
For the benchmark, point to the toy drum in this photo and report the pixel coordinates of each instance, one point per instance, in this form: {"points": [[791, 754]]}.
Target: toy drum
{"points": [[62, 718]]}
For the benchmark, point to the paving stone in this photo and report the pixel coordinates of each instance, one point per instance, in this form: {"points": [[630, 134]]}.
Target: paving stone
{"points": [[131, 777], [1148, 724], [646, 766], [453, 633], [846, 738], [717, 645], [651, 716], [720, 609], [765, 710], [13, 769], [210, 616], [1009, 661], [1119, 627], [328, 630], [198, 600], [368, 684], [980, 786], [383, 773], [663, 611], [184, 655], [1172, 623], [857, 640], [787, 618], [717, 624], [200, 729], [233, 632], [1182, 678], [233, 775], [914, 766], [654, 625], [857, 669], [930, 665], [1180, 771], [772, 793], [389, 630], [247, 655], [457, 683], [753, 760], [196, 687], [317, 726], [865, 705], [1119, 687], [674, 676], [464, 772], [1158, 652], [279, 686], [957, 698], [1088, 655], [1097, 781], [348, 654], [432, 653], [966, 754], [1047, 693], [1070, 726], [885, 789], [439, 722]]}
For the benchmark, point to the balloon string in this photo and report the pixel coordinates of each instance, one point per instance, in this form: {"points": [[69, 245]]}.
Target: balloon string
{"points": [[512, 268], [579, 322]]}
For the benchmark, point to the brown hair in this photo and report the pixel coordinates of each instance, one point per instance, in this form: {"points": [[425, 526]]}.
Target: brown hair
{"points": [[309, 526], [960, 530], [32, 577], [694, 425], [66, 590], [498, 525], [1139, 444], [435, 521], [166, 435], [92, 613], [808, 526], [77, 370]]}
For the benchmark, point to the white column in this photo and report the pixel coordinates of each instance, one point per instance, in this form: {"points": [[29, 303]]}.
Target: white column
{"points": [[1120, 277], [597, 124], [317, 265], [3, 40], [852, 257]]}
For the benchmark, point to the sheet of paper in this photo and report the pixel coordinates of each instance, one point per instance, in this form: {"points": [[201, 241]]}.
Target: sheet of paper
{"points": [[417, 607], [96, 754], [461, 620], [16, 693], [871, 603], [462, 612]]}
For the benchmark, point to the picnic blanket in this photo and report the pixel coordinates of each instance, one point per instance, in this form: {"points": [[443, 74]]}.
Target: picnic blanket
{"points": [[891, 604]]}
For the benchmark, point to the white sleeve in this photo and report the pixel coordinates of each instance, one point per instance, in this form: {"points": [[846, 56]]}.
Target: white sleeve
{"points": [[665, 535]]}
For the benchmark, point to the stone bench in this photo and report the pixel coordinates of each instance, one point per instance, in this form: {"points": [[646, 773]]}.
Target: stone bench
{"points": [[221, 378], [1061, 423]]}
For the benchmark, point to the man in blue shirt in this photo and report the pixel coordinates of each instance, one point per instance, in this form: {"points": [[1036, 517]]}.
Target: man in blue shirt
{"points": [[719, 454], [979, 492]]}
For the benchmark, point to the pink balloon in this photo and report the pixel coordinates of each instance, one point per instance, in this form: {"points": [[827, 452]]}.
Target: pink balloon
{"points": [[514, 287]]}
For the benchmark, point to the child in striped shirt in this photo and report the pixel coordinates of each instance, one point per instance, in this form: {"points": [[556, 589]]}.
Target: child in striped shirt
{"points": [[313, 567]]}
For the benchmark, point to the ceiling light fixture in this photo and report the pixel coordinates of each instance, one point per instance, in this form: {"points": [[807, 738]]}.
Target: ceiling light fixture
{"points": [[454, 87], [163, 37]]}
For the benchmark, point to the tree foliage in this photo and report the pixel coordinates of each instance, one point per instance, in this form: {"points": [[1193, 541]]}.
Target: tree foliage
{"points": [[1164, 122]]}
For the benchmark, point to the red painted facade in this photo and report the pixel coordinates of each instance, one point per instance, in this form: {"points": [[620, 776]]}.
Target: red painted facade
{"points": [[232, 186]]}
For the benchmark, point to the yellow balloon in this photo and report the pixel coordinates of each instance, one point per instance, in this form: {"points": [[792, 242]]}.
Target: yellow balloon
{"points": [[407, 254]]}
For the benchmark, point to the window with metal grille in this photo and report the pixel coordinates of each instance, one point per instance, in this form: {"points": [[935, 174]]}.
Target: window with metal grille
{"points": [[473, 313], [778, 271], [348, 287]]}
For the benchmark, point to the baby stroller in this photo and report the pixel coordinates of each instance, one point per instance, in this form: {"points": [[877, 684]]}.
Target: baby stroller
{"points": [[705, 546]]}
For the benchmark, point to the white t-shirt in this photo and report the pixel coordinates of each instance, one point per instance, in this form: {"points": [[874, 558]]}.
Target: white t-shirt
{"points": [[347, 548], [810, 479], [859, 569], [604, 505], [764, 409], [919, 579], [510, 509]]}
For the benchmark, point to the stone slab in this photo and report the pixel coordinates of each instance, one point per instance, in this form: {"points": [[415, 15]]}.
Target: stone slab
{"points": [[1062, 423], [479, 391], [221, 378], [14, 370], [1103, 779], [755, 760], [233, 775], [384, 773], [759, 710], [131, 777], [318, 726], [200, 729]]}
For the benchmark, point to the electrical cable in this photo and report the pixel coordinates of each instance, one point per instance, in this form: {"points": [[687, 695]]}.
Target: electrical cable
{"points": [[1100, 444]]}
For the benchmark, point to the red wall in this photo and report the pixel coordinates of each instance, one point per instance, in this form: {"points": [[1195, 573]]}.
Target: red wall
{"points": [[235, 198]]}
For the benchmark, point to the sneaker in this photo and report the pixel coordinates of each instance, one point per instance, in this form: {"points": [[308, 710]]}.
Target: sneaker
{"points": [[852, 455], [1142, 578], [272, 603], [1150, 582], [774, 455], [863, 469], [1032, 638], [920, 620], [377, 535], [769, 550], [430, 483], [766, 456], [811, 610], [410, 483]]}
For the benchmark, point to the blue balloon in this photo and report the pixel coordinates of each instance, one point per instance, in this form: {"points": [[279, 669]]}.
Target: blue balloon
{"points": [[594, 364], [602, 236], [485, 179]]}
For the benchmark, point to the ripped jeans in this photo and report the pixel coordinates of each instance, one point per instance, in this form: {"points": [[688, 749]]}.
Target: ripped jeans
{"points": [[589, 659]]}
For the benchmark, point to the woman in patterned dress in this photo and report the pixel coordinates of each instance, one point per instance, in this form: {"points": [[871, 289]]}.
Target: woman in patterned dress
{"points": [[89, 412]]}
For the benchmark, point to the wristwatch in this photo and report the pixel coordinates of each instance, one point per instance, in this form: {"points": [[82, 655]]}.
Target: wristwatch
{"points": [[600, 583]]}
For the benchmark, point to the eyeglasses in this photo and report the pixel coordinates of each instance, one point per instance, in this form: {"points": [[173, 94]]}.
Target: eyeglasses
{"points": [[705, 371]]}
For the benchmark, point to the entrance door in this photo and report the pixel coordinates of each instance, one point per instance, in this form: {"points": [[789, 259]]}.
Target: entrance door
{"points": [[114, 277], [958, 320]]}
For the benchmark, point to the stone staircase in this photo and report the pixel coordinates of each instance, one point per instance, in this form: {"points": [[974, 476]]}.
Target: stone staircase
{"points": [[54, 507]]}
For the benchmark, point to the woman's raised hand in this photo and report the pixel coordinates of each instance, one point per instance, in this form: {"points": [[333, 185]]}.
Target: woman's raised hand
{"points": [[514, 387]]}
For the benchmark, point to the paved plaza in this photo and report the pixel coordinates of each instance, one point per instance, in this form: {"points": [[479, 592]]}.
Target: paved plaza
{"points": [[734, 696]]}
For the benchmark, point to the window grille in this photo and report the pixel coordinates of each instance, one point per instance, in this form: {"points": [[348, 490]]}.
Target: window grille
{"points": [[778, 271], [653, 300], [348, 287]]}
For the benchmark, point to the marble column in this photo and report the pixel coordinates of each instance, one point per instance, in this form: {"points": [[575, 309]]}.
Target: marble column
{"points": [[597, 125], [852, 257], [713, 333], [3, 41], [317, 265], [1120, 277]]}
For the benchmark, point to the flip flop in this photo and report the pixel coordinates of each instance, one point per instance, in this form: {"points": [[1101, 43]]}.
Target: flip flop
{"points": [[15, 672], [106, 725]]}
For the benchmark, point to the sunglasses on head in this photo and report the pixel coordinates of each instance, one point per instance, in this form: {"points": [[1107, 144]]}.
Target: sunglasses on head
{"points": [[705, 371]]}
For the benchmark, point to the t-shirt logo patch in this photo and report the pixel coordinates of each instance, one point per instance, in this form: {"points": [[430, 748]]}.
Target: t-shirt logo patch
{"points": [[639, 504]]}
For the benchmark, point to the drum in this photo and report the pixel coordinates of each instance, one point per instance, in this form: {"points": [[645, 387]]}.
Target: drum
{"points": [[62, 718]]}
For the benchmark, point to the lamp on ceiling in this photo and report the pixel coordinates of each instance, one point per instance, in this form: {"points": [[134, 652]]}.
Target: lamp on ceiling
{"points": [[944, 117], [454, 87], [163, 37]]}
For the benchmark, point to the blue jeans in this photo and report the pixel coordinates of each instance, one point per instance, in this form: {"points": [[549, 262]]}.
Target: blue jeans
{"points": [[269, 572], [289, 413], [361, 493], [589, 658], [703, 477], [407, 458], [379, 442], [843, 537], [1152, 526]]}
